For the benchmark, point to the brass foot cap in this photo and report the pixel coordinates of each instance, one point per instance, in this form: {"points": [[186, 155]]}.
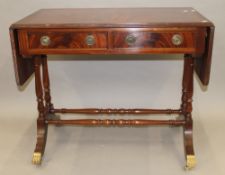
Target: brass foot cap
{"points": [[191, 162], [37, 158]]}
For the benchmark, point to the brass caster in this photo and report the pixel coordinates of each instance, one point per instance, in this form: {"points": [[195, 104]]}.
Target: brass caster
{"points": [[37, 157], [191, 162]]}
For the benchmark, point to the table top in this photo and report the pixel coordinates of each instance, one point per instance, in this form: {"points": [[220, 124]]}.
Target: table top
{"points": [[113, 17], [107, 19]]}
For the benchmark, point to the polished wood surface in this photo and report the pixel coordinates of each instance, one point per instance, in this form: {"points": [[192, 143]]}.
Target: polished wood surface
{"points": [[64, 39], [186, 107], [46, 21], [141, 111], [23, 68], [159, 38], [113, 17], [41, 125], [112, 31], [119, 122], [111, 41], [203, 61]]}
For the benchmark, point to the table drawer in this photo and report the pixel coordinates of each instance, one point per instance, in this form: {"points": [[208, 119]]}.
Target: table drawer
{"points": [[60, 41], [176, 40], [111, 40]]}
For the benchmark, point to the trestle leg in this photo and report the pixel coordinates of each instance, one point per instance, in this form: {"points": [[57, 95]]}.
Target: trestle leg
{"points": [[42, 127], [186, 107]]}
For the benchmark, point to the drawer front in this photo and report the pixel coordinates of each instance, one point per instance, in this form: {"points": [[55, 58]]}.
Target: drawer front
{"points": [[111, 40], [61, 41], [154, 40]]}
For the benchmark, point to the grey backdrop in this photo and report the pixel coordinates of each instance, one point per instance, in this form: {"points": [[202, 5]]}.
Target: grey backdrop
{"points": [[111, 83]]}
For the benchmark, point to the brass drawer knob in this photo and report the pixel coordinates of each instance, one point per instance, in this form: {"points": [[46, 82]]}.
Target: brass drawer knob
{"points": [[45, 40], [90, 40], [130, 39], [177, 39]]}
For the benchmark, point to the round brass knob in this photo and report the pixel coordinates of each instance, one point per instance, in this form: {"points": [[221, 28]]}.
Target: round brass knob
{"points": [[130, 39], [90, 40], [177, 39], [45, 40]]}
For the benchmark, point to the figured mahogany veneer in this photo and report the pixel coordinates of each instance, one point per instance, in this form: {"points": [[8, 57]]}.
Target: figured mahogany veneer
{"points": [[112, 31], [115, 23], [72, 41], [160, 39], [63, 39]]}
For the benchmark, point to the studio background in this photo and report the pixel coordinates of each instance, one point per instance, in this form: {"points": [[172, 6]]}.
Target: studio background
{"points": [[112, 83]]}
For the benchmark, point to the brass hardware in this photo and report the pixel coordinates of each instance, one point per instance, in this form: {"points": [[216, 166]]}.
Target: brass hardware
{"points": [[37, 156], [177, 39], [45, 40], [130, 39], [90, 40], [191, 162]]}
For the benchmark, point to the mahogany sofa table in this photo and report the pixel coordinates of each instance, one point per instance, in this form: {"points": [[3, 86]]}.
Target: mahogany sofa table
{"points": [[112, 31]]}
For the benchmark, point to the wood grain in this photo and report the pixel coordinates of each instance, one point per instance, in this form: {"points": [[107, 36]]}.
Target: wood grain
{"points": [[120, 111], [152, 31], [111, 41], [113, 17], [118, 122], [67, 39], [107, 19]]}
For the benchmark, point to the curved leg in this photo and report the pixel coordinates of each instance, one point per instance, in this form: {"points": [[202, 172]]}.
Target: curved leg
{"points": [[188, 143], [41, 125], [41, 142], [186, 106]]}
